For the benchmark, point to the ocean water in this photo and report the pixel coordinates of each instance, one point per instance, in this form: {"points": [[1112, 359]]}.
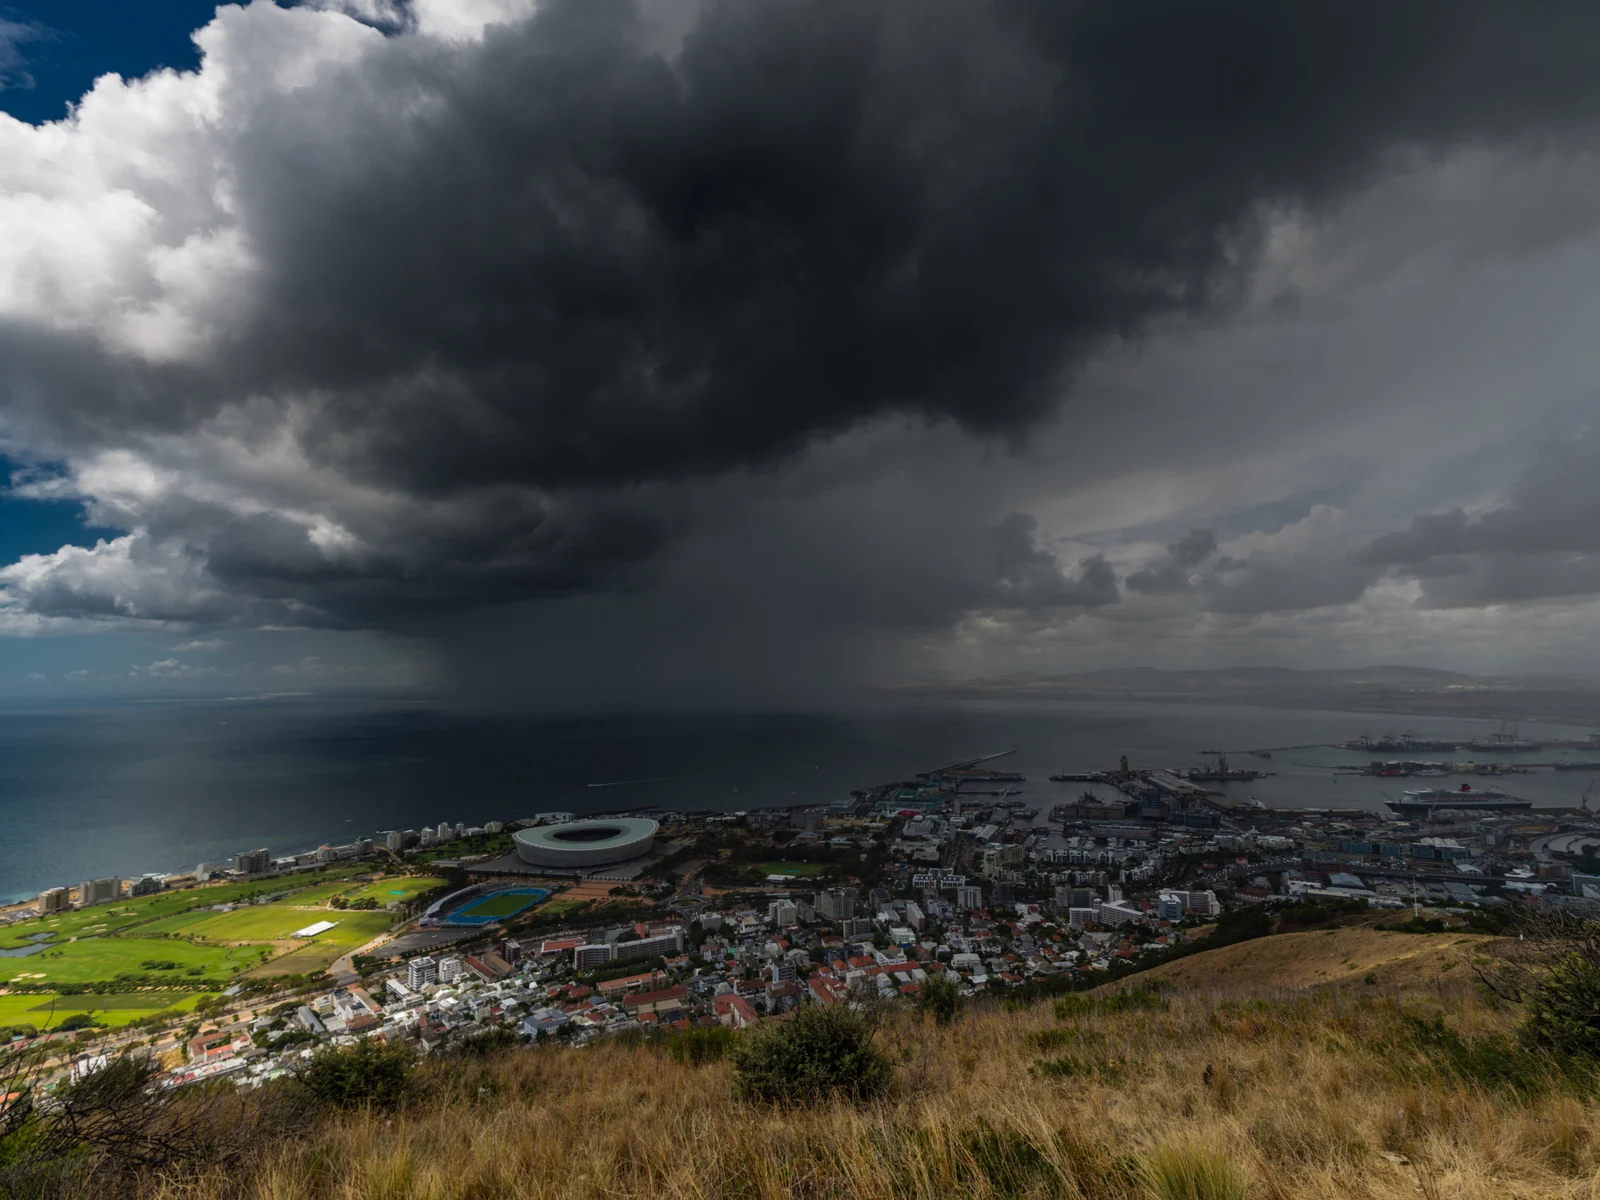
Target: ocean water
{"points": [[134, 788]]}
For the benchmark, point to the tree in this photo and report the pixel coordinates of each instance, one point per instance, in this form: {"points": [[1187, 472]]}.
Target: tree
{"points": [[939, 997]]}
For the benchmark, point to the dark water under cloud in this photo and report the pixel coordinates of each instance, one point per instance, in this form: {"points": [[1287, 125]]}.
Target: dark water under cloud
{"points": [[160, 787]]}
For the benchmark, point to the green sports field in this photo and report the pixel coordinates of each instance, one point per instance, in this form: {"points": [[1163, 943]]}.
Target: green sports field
{"points": [[401, 887], [799, 870], [46, 1011]]}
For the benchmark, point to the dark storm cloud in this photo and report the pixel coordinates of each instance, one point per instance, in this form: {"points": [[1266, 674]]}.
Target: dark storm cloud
{"points": [[1027, 576], [1543, 542], [1172, 574], [585, 263], [512, 286]]}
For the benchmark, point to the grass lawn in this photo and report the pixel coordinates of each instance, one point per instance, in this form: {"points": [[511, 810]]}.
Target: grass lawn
{"points": [[96, 959], [800, 870], [45, 1011], [263, 923], [127, 914], [401, 887], [354, 929], [561, 904], [321, 893]]}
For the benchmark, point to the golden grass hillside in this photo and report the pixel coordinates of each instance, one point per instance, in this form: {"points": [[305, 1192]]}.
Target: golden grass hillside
{"points": [[1242, 1088], [1326, 956]]}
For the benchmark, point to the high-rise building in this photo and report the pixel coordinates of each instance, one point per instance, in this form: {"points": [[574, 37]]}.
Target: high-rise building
{"points": [[395, 840], [422, 971], [100, 891], [914, 916], [146, 885], [783, 913], [969, 897], [252, 862], [204, 872], [856, 927], [596, 953], [493, 826], [1073, 897], [56, 899], [836, 904], [451, 967]]}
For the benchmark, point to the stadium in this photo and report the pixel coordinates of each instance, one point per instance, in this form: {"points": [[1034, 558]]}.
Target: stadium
{"points": [[582, 844]]}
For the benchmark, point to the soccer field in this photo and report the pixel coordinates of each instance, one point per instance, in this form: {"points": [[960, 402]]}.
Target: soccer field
{"points": [[500, 904]]}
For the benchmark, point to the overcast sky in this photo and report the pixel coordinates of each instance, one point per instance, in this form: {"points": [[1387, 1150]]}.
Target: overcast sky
{"points": [[591, 352]]}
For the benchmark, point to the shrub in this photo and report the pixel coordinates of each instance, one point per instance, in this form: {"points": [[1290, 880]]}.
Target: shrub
{"points": [[941, 997], [1146, 997], [1070, 1066], [1192, 1172], [1056, 1039], [1564, 1009], [369, 1074], [818, 1054], [699, 1045], [1496, 1063], [488, 1042]]}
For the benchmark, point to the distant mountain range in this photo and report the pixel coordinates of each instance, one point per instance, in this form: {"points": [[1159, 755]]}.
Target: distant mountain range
{"points": [[1383, 688]]}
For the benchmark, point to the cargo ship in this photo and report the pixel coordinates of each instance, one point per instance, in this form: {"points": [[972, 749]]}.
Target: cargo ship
{"points": [[1428, 800]]}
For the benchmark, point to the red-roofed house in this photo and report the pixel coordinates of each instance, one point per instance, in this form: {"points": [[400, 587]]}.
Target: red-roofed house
{"points": [[734, 1010]]}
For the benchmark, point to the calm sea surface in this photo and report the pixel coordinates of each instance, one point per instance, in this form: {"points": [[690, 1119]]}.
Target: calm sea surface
{"points": [[123, 790]]}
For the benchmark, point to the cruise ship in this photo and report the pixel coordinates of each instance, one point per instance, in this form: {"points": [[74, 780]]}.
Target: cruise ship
{"points": [[1427, 800]]}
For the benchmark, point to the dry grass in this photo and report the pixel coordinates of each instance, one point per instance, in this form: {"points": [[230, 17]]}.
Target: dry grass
{"points": [[1271, 1094], [1325, 956]]}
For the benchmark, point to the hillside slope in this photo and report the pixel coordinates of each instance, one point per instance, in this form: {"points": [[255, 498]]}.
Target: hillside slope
{"points": [[1346, 955], [1320, 1092]]}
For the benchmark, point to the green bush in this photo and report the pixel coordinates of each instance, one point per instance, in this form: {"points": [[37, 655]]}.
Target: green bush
{"points": [[1496, 1063], [1564, 1009], [487, 1043], [818, 1054], [369, 1074], [1145, 997], [699, 1045], [941, 997]]}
